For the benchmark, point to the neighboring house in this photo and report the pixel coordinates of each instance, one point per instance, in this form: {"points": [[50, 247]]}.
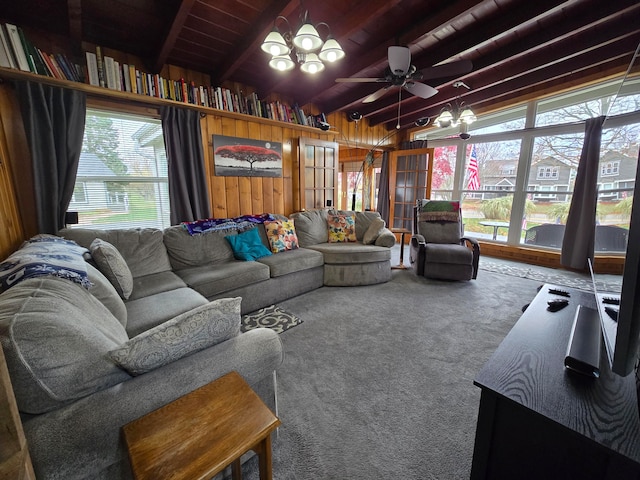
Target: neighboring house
{"points": [[551, 177], [498, 176], [616, 171], [95, 189]]}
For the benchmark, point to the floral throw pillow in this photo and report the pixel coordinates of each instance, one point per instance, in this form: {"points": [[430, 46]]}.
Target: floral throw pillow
{"points": [[282, 235], [342, 228]]}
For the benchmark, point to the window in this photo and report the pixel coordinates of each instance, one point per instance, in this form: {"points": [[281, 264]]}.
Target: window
{"points": [[122, 175], [609, 168], [528, 160], [547, 173]]}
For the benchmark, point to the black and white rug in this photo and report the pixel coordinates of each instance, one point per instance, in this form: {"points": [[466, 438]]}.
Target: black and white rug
{"points": [[272, 317]]}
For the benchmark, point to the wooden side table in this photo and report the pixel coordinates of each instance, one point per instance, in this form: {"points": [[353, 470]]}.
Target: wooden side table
{"points": [[402, 232], [198, 435]]}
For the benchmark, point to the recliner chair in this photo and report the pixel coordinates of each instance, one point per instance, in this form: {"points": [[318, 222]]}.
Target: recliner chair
{"points": [[438, 248]]}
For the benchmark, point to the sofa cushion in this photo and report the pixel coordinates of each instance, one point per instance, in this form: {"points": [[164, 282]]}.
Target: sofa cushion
{"points": [[185, 334], [447, 253], [56, 337], [311, 227], [147, 312], [440, 232], [113, 266], [210, 280], [247, 245], [155, 283], [352, 252], [291, 261], [373, 232], [102, 289], [342, 228], [282, 235], [197, 250], [142, 248]]}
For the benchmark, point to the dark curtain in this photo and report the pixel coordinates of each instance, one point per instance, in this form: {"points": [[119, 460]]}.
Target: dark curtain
{"points": [[188, 193], [383, 206], [53, 120], [579, 237]]}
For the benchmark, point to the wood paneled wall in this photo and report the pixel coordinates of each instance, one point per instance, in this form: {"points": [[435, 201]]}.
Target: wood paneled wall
{"points": [[229, 196]]}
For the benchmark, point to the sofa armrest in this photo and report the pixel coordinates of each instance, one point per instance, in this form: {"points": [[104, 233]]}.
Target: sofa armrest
{"points": [[83, 439], [385, 239], [473, 244], [416, 253]]}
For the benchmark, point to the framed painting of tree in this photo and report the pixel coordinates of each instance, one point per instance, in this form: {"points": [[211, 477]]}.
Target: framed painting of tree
{"points": [[242, 157]]}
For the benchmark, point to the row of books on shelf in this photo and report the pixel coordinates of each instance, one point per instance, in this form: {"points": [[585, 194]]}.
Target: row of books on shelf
{"points": [[16, 51], [105, 71]]}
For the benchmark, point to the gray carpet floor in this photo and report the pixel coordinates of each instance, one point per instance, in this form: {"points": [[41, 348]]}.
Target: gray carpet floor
{"points": [[377, 383]]}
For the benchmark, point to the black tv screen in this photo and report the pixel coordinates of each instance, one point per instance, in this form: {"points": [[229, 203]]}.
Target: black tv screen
{"points": [[627, 338]]}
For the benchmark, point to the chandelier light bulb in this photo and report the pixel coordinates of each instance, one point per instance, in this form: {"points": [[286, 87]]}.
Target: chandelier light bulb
{"points": [[307, 38], [281, 63], [275, 44], [312, 64], [331, 51]]}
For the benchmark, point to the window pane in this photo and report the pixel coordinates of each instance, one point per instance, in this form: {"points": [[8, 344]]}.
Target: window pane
{"points": [[122, 174]]}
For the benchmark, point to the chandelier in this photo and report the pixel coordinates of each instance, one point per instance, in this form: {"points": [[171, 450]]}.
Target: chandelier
{"points": [[457, 114], [306, 47]]}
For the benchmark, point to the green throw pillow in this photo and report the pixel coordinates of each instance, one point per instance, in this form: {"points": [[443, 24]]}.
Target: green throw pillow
{"points": [[247, 245]]}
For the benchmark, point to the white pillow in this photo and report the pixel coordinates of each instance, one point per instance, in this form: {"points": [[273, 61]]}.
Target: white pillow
{"points": [[183, 335], [112, 266], [373, 232]]}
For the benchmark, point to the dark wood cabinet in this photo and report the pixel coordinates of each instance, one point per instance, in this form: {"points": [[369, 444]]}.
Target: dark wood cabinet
{"points": [[539, 420]]}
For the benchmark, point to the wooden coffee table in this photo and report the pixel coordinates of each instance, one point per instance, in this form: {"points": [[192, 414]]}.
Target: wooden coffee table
{"points": [[198, 435]]}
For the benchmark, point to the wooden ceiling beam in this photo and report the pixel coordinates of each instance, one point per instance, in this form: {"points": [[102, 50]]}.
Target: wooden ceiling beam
{"points": [[500, 86], [74, 13], [251, 43], [173, 33], [508, 20], [598, 26]]}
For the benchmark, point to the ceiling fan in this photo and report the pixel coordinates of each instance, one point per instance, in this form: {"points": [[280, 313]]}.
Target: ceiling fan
{"points": [[401, 73]]}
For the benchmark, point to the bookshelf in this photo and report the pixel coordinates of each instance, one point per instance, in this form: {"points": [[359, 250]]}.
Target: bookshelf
{"points": [[113, 75], [145, 100]]}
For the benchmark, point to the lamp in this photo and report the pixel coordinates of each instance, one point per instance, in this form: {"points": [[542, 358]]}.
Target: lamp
{"points": [[306, 47], [457, 114]]}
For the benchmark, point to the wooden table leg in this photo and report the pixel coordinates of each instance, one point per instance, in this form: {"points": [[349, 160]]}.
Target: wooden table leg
{"points": [[265, 459], [236, 470]]}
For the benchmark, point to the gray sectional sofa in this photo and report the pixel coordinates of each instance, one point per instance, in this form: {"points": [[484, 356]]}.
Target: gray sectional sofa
{"points": [[71, 351]]}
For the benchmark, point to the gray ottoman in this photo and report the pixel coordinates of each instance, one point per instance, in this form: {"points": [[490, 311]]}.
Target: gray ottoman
{"points": [[351, 264]]}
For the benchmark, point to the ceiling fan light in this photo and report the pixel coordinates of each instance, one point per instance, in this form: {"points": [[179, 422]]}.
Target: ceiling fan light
{"points": [[467, 116], [312, 64], [307, 38], [281, 63], [331, 51], [445, 119], [275, 44]]}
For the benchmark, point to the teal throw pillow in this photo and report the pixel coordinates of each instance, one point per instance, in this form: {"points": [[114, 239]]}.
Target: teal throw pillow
{"points": [[247, 245]]}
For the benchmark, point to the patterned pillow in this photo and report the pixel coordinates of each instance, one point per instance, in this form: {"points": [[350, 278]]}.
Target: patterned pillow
{"points": [[112, 266], [185, 334], [342, 228], [282, 235]]}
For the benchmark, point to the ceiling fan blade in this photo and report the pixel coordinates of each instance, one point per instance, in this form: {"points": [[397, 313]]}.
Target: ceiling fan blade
{"points": [[450, 69], [360, 80], [420, 89], [376, 95], [399, 60]]}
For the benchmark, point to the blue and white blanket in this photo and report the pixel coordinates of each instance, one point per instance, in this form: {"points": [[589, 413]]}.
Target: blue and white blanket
{"points": [[45, 255]]}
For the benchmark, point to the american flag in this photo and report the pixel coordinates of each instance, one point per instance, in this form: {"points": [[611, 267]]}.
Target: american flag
{"points": [[474, 180]]}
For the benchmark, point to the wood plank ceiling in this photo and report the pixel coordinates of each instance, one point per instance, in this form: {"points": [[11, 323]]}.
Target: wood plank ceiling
{"points": [[519, 48]]}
